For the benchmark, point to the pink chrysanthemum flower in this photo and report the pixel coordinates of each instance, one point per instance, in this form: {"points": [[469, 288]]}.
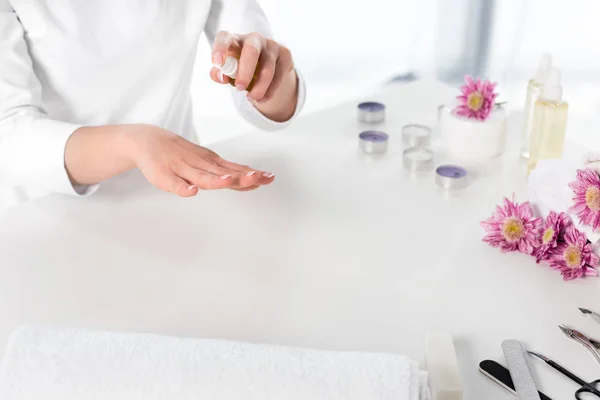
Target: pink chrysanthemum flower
{"points": [[574, 257], [512, 227], [587, 197], [551, 233], [477, 99]]}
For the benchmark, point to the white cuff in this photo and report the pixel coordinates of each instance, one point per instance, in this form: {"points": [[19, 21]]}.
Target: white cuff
{"points": [[256, 118], [37, 157]]}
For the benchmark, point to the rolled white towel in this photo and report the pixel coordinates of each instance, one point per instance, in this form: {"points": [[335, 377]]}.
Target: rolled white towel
{"points": [[549, 190], [57, 363], [592, 160]]}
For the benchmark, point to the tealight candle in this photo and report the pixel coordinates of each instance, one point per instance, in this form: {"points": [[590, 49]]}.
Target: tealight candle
{"points": [[371, 112], [417, 159], [373, 142], [451, 177], [416, 135]]}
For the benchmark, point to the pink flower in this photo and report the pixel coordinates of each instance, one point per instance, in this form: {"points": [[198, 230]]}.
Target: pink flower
{"points": [[574, 257], [512, 227], [587, 197], [551, 233], [477, 99]]}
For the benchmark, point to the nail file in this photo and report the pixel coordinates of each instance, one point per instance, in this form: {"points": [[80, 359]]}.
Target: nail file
{"points": [[516, 359], [501, 376]]}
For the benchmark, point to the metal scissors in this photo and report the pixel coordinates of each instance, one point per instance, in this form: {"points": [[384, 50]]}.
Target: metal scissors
{"points": [[592, 345], [591, 314], [591, 388]]}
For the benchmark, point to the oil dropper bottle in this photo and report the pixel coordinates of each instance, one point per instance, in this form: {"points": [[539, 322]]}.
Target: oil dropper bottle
{"points": [[230, 68], [549, 122], [534, 89]]}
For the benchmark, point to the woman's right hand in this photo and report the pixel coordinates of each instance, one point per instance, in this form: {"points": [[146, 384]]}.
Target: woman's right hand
{"points": [[173, 164]]}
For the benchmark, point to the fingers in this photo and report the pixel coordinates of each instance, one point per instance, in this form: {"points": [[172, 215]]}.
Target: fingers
{"points": [[174, 184], [223, 42], [262, 177], [205, 160], [251, 178], [239, 178], [263, 63], [251, 51], [203, 179], [218, 76], [284, 65], [264, 78], [248, 189], [212, 176]]}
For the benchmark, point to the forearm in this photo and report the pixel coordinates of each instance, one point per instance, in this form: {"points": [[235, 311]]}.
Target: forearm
{"points": [[94, 154], [283, 104]]}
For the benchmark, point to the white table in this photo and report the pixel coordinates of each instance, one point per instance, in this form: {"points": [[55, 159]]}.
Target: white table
{"points": [[343, 251]]}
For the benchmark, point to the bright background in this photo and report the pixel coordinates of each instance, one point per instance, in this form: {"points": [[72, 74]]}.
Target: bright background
{"points": [[346, 49]]}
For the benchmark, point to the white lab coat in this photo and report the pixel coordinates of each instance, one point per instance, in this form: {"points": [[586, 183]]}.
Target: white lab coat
{"points": [[70, 63]]}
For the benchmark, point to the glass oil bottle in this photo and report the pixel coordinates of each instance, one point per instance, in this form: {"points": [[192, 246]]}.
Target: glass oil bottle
{"points": [[549, 122], [534, 89]]}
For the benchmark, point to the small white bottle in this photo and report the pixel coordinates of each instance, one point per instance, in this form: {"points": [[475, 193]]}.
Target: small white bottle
{"points": [[549, 122], [534, 89], [230, 68]]}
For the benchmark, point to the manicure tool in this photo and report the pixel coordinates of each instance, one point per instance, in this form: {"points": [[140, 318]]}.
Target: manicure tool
{"points": [[589, 343], [591, 387], [501, 376], [516, 359], [588, 313]]}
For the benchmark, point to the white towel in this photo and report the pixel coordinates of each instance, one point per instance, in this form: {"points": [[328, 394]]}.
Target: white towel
{"points": [[549, 190], [57, 363]]}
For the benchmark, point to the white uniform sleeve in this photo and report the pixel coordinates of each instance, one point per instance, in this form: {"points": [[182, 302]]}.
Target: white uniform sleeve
{"points": [[245, 16], [32, 146]]}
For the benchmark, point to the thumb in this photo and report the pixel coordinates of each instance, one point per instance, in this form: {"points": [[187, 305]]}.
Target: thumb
{"points": [[218, 76]]}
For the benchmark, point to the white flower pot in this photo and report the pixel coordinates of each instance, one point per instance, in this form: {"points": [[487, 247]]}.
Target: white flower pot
{"points": [[470, 139]]}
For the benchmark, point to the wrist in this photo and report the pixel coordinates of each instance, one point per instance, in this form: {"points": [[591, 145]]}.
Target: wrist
{"points": [[96, 153], [127, 142], [283, 105]]}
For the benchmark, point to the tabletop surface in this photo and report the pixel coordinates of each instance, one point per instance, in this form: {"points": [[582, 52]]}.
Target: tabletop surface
{"points": [[343, 251]]}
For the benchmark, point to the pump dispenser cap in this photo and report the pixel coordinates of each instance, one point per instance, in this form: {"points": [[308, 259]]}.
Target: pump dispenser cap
{"points": [[229, 67], [544, 68], [553, 87]]}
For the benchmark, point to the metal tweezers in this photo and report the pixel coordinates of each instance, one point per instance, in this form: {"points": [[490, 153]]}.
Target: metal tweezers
{"points": [[592, 345]]}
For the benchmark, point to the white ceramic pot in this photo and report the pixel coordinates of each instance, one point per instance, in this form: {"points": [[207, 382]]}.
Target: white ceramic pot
{"points": [[469, 139]]}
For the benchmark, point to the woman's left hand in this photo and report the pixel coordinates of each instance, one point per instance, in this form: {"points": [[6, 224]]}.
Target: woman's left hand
{"points": [[275, 91]]}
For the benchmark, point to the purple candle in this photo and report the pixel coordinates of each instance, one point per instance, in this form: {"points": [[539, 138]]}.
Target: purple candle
{"points": [[371, 112], [373, 141], [451, 177], [371, 106]]}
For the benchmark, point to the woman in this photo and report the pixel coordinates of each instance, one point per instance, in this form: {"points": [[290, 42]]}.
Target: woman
{"points": [[90, 89]]}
